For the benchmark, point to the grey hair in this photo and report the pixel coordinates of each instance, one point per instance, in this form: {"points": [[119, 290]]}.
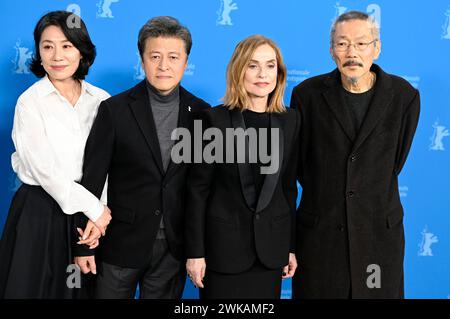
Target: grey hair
{"points": [[167, 27], [355, 15]]}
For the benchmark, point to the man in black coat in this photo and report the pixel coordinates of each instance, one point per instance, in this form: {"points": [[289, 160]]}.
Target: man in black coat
{"points": [[130, 142], [358, 124]]}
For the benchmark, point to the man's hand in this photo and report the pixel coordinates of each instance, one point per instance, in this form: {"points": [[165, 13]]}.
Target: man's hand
{"points": [[195, 268], [103, 221], [289, 270], [89, 236], [86, 264]]}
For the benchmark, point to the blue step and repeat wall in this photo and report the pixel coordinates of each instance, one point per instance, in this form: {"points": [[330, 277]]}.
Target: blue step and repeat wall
{"points": [[416, 45]]}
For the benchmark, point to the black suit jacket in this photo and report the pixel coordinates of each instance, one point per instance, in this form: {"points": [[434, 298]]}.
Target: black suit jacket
{"points": [[226, 222], [350, 215], [123, 144]]}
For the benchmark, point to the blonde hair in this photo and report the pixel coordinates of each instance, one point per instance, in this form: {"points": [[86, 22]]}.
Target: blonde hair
{"points": [[236, 96]]}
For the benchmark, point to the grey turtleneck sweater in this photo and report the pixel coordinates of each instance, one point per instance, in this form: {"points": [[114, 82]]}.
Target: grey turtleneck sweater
{"points": [[165, 114]]}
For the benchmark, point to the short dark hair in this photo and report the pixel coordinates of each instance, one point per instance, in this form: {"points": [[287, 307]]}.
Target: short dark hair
{"points": [[167, 27], [78, 35]]}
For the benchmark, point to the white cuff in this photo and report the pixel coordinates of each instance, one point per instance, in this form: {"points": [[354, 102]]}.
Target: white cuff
{"points": [[96, 212]]}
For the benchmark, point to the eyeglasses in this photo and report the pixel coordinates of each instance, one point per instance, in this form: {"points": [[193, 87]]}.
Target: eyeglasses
{"points": [[343, 46]]}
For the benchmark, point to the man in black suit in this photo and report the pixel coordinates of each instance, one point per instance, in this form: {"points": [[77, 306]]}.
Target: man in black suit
{"points": [[130, 142], [358, 124]]}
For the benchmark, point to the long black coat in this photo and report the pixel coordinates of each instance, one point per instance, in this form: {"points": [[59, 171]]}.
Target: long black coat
{"points": [[350, 215]]}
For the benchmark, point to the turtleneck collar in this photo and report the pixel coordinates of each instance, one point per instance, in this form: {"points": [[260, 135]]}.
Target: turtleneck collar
{"points": [[154, 94]]}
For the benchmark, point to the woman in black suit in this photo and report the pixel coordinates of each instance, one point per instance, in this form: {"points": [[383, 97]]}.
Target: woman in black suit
{"points": [[241, 199]]}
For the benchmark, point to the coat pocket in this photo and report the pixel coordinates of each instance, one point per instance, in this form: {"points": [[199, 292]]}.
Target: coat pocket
{"points": [[280, 218], [394, 216], [220, 220]]}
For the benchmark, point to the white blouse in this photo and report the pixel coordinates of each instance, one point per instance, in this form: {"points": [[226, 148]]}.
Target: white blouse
{"points": [[49, 135]]}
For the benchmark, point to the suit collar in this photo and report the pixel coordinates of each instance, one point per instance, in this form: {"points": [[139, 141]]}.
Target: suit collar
{"points": [[335, 100], [381, 100], [184, 120], [140, 106], [255, 202], [271, 180]]}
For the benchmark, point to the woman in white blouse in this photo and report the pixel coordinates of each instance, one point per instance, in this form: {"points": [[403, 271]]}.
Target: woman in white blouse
{"points": [[51, 125]]}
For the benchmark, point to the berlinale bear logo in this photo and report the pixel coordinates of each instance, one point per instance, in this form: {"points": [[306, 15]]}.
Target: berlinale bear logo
{"points": [[446, 26], [20, 61], [428, 239], [104, 8], [439, 133], [226, 6]]}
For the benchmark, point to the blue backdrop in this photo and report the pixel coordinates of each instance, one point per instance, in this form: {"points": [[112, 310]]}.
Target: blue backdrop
{"points": [[416, 45]]}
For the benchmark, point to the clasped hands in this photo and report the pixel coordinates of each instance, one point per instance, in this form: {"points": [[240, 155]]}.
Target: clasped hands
{"points": [[90, 236]]}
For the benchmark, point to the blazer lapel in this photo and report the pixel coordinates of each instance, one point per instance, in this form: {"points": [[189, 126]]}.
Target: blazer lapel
{"points": [[184, 120], [245, 170], [144, 117], [382, 98], [271, 180], [334, 99]]}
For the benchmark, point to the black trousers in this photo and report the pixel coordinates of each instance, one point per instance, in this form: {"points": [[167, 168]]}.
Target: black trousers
{"points": [[258, 282], [163, 278]]}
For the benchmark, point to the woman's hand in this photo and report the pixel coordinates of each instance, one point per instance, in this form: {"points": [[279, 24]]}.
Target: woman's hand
{"points": [[104, 219], [90, 236], [289, 270]]}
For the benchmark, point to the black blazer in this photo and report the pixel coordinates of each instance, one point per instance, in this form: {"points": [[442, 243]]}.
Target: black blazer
{"points": [[350, 215], [123, 144], [225, 221]]}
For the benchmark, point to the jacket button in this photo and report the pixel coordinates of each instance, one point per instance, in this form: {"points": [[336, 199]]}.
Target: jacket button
{"points": [[157, 212], [341, 228], [353, 158], [257, 216], [350, 194]]}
